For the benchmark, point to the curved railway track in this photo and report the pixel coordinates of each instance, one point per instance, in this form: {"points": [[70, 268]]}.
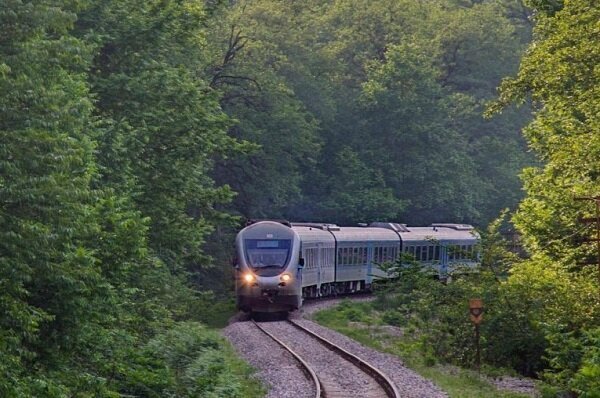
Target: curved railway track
{"points": [[375, 384]]}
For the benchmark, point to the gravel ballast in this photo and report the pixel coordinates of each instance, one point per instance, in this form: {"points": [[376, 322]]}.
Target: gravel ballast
{"points": [[337, 374], [277, 369], [408, 382]]}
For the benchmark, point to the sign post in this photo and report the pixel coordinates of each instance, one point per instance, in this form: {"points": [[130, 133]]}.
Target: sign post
{"points": [[476, 315]]}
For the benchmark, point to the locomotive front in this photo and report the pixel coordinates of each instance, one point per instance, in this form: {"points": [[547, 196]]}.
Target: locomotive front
{"points": [[268, 273]]}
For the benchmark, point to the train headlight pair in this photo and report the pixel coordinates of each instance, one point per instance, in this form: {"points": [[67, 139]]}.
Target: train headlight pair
{"points": [[285, 277]]}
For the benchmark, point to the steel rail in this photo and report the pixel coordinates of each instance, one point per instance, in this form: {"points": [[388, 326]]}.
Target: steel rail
{"points": [[384, 381], [319, 391]]}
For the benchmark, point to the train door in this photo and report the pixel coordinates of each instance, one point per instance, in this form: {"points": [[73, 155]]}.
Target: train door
{"points": [[443, 260], [369, 276], [319, 265]]}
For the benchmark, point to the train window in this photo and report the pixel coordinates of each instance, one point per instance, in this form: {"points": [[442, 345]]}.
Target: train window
{"points": [[430, 254], [267, 253], [418, 253], [436, 253]]}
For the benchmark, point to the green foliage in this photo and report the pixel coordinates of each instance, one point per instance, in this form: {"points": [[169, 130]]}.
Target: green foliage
{"points": [[359, 106], [559, 73], [437, 313], [107, 142], [186, 361], [162, 125], [456, 382], [587, 379]]}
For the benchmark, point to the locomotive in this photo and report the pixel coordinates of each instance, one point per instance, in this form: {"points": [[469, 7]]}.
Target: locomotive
{"points": [[279, 263]]}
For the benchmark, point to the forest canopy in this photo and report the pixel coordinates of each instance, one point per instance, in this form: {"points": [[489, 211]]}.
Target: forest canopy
{"points": [[136, 135]]}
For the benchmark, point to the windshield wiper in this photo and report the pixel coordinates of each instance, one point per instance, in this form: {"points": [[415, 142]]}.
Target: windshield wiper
{"points": [[268, 266]]}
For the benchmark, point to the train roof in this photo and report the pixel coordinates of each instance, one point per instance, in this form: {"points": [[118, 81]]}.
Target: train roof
{"points": [[354, 234], [439, 233], [309, 234], [384, 232], [326, 232]]}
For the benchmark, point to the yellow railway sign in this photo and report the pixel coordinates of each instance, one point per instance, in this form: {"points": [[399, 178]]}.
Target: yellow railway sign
{"points": [[476, 310]]}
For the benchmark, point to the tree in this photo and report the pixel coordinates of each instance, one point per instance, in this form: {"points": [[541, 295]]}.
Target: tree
{"points": [[49, 274], [321, 59], [162, 126], [559, 73]]}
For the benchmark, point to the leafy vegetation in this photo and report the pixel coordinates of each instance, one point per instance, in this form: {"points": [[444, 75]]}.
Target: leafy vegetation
{"points": [[559, 74], [134, 136], [369, 325], [371, 110], [101, 168]]}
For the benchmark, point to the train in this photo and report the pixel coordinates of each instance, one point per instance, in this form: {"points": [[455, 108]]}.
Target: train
{"points": [[279, 263]]}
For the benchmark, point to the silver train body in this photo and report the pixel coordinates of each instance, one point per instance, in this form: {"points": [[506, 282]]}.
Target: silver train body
{"points": [[280, 263]]}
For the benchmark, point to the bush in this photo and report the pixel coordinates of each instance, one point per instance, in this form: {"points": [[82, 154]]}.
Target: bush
{"points": [[187, 360], [394, 318], [438, 312]]}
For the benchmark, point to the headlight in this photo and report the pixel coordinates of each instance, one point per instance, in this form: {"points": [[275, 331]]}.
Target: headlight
{"points": [[285, 277], [248, 277]]}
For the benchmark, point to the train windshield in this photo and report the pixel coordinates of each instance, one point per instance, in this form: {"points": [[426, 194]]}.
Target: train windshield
{"points": [[262, 253]]}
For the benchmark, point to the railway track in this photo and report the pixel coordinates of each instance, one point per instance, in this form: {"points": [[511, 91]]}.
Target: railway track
{"points": [[342, 374]]}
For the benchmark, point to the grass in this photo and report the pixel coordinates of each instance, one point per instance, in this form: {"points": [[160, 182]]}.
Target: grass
{"points": [[216, 315], [362, 323], [251, 387]]}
